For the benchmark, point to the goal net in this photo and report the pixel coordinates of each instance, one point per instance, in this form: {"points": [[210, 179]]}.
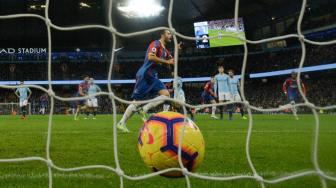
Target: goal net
{"points": [[12, 108], [117, 169]]}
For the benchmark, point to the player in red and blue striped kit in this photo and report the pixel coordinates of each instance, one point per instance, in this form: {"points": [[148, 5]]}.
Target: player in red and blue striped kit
{"points": [[147, 81], [82, 91], [208, 96], [291, 90]]}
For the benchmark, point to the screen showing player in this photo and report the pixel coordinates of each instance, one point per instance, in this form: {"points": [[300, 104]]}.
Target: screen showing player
{"points": [[218, 28]]}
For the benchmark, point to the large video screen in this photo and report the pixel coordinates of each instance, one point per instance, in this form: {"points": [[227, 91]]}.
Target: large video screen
{"points": [[218, 28]]}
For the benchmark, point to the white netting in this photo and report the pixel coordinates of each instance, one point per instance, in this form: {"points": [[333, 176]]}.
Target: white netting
{"points": [[9, 108], [117, 170]]}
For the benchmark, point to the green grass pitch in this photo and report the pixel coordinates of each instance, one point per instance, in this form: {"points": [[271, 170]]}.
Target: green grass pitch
{"points": [[224, 41], [279, 145]]}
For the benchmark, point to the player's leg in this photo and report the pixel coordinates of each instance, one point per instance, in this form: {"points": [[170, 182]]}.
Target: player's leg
{"points": [[236, 97], [221, 108], [88, 108], [21, 108], [163, 94], [94, 107], [77, 112], [292, 98], [40, 111], [167, 104], [24, 108], [190, 112], [213, 109], [130, 110], [43, 109], [155, 87], [241, 109], [230, 107], [139, 92], [80, 106]]}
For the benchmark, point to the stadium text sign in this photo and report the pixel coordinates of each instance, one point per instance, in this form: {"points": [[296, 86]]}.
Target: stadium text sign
{"points": [[23, 50]]}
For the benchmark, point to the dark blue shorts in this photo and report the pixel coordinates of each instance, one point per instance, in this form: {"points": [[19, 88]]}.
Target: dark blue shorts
{"points": [[80, 102], [206, 98], [44, 104], [293, 96], [146, 86]]}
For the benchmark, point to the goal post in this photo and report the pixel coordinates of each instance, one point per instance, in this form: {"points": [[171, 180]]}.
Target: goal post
{"points": [[12, 108]]}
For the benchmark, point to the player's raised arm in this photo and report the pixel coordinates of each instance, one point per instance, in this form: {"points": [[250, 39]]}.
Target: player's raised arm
{"points": [[16, 92], [284, 86], [304, 89], [207, 88]]}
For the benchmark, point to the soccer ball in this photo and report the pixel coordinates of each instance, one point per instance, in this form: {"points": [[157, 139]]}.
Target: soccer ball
{"points": [[159, 139]]}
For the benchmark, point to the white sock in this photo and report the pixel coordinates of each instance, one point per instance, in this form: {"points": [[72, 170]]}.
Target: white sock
{"points": [[128, 113], [213, 110], [166, 107], [154, 104], [43, 110]]}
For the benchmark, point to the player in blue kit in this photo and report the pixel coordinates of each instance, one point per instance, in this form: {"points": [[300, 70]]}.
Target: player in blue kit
{"points": [[235, 96], [291, 90], [222, 88], [92, 102], [22, 94], [178, 94], [147, 81]]}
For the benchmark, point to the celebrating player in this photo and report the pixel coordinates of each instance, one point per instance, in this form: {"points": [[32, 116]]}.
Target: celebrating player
{"points": [[92, 102], [44, 100], [22, 94], [208, 96], [222, 87], [147, 81], [235, 96], [82, 91], [290, 89]]}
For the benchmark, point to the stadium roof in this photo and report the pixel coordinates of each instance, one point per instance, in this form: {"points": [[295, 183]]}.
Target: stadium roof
{"points": [[79, 12]]}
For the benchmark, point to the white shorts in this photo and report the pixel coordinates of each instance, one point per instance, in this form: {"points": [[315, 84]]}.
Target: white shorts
{"points": [[23, 102], [92, 103], [224, 96], [179, 95], [236, 97]]}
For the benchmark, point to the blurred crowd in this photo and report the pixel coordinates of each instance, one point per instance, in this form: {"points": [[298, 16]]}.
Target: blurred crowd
{"points": [[261, 93], [189, 66]]}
